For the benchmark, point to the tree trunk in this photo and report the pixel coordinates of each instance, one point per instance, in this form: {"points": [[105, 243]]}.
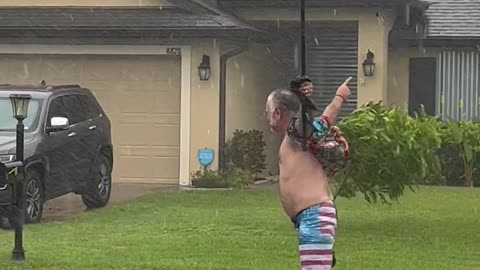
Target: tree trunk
{"points": [[468, 175]]}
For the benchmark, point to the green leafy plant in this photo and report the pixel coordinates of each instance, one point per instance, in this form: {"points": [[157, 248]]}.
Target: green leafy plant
{"points": [[207, 178], [390, 151], [231, 178], [237, 178], [453, 168], [245, 150], [464, 136]]}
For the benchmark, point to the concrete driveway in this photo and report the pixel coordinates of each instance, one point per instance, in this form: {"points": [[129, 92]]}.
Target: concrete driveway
{"points": [[70, 205]]}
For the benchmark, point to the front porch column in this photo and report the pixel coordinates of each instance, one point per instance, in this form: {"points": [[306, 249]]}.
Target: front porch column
{"points": [[204, 103]]}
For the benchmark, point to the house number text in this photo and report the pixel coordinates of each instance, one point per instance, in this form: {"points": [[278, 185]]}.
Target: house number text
{"points": [[174, 51]]}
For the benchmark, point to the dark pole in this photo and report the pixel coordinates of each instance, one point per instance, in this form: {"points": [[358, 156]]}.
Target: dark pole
{"points": [[302, 21], [304, 67], [18, 253]]}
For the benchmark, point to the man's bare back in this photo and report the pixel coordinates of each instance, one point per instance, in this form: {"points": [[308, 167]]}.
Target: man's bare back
{"points": [[303, 181]]}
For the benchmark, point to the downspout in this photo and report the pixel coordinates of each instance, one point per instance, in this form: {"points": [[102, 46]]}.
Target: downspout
{"points": [[222, 109]]}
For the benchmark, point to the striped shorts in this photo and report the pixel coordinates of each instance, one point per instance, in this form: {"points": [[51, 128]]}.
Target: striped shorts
{"points": [[316, 228]]}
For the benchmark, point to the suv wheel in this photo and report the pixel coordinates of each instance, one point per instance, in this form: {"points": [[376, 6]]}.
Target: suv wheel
{"points": [[33, 197], [99, 188]]}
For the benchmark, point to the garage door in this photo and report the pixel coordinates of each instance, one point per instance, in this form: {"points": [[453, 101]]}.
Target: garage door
{"points": [[141, 95]]}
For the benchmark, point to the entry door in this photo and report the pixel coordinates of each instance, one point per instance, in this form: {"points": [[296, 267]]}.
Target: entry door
{"points": [[422, 85]]}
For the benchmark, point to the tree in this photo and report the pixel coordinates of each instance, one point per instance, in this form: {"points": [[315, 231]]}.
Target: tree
{"points": [[390, 151]]}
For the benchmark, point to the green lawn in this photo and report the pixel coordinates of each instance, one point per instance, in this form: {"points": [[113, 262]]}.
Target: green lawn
{"points": [[435, 228]]}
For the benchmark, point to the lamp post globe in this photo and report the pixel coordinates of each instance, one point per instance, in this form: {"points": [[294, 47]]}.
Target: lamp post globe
{"points": [[20, 104]]}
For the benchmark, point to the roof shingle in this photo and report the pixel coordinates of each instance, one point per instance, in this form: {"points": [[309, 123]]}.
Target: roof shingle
{"points": [[453, 19]]}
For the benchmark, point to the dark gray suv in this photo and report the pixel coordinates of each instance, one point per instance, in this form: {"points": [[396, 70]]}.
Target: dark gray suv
{"points": [[68, 147]]}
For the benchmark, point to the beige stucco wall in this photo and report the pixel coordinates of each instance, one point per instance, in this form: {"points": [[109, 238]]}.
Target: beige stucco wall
{"points": [[251, 76], [204, 109], [398, 73], [84, 3], [373, 35]]}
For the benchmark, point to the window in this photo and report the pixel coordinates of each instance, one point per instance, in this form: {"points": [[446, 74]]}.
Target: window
{"points": [[69, 106], [56, 109], [8, 123], [75, 109], [89, 106]]}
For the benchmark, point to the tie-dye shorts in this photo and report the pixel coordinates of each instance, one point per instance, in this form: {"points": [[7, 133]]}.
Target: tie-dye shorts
{"points": [[316, 227]]}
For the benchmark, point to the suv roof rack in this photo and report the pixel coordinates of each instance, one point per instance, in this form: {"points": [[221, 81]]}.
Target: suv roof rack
{"points": [[39, 87], [56, 87]]}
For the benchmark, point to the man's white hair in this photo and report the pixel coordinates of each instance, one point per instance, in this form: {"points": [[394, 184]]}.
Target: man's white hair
{"points": [[285, 101]]}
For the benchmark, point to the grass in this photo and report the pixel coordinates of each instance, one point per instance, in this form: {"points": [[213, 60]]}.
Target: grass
{"points": [[435, 228]]}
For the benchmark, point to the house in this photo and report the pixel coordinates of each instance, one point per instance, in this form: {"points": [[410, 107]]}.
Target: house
{"points": [[141, 59], [440, 70]]}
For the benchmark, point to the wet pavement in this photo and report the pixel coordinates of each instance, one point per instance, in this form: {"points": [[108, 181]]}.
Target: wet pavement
{"points": [[70, 205]]}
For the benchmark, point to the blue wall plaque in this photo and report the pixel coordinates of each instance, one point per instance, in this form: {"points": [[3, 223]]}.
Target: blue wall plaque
{"points": [[205, 156]]}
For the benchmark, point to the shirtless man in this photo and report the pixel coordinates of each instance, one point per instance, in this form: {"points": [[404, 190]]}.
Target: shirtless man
{"points": [[304, 190]]}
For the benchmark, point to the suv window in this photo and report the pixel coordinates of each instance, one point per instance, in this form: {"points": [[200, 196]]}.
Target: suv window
{"points": [[69, 106], [56, 109], [89, 106], [75, 109]]}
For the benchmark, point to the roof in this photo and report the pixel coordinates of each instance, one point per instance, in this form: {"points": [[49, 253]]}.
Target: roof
{"points": [[133, 23], [453, 19], [111, 18], [315, 3]]}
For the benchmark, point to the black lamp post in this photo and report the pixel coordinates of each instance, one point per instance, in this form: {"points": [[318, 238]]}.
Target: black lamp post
{"points": [[204, 68], [302, 28], [20, 104], [369, 65]]}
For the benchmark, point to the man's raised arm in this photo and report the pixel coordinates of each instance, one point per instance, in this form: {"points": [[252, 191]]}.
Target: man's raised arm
{"points": [[333, 109]]}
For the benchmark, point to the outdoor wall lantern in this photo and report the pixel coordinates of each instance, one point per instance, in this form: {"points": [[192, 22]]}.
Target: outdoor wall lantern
{"points": [[204, 68], [20, 111], [369, 65]]}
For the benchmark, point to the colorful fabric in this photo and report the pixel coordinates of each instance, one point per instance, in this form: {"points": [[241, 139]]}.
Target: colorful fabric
{"points": [[326, 143], [316, 227]]}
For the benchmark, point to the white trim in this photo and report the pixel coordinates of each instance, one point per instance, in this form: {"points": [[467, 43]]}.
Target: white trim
{"points": [[184, 175], [184, 171], [87, 49]]}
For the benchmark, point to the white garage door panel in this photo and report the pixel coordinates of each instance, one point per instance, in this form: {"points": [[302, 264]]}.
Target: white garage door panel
{"points": [[141, 95], [147, 135]]}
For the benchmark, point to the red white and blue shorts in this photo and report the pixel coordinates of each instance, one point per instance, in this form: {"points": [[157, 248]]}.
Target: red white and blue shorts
{"points": [[316, 227]]}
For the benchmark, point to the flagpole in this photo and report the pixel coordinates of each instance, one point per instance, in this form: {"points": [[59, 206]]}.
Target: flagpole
{"points": [[302, 22]]}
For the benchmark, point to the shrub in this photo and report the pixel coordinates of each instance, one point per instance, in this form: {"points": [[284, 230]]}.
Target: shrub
{"points": [[237, 178], [206, 178], [453, 169], [389, 152], [245, 150], [232, 178], [452, 165], [460, 152]]}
